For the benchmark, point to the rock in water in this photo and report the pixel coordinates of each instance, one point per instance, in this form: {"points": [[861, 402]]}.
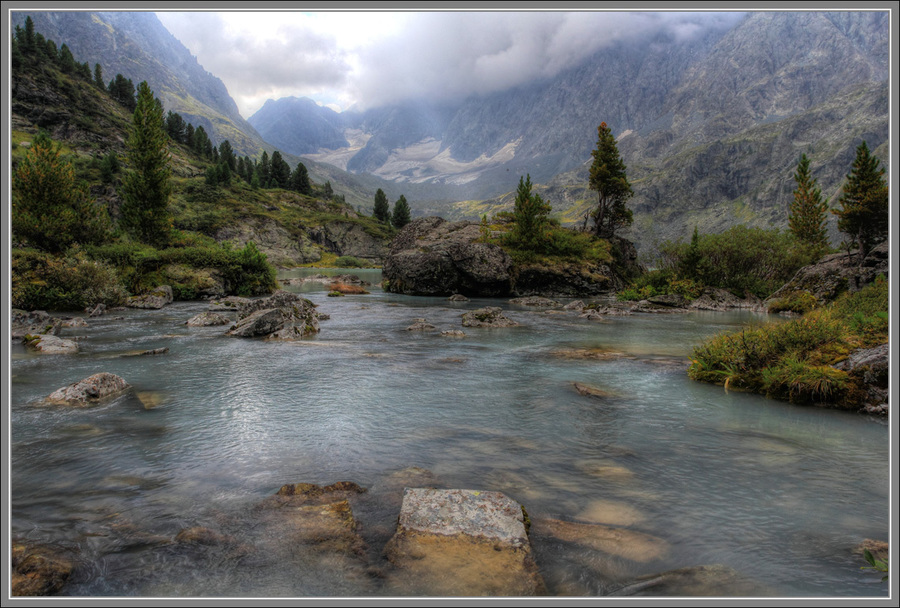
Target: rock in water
{"points": [[206, 319], [431, 256], [489, 316], [38, 570], [157, 298], [283, 315], [89, 391], [51, 345], [461, 542]]}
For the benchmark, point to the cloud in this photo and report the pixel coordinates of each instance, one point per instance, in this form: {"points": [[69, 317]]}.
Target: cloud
{"points": [[378, 58]]}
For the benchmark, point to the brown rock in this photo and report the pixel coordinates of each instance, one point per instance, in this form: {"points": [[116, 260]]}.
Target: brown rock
{"points": [[89, 391], [38, 570]]}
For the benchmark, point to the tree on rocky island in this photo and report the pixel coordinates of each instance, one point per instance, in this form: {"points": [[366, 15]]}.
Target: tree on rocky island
{"points": [[146, 186], [50, 209], [401, 216], [608, 179], [381, 210], [808, 210], [863, 215], [531, 218]]}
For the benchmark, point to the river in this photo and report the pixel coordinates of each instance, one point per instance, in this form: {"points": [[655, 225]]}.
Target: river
{"points": [[780, 493]]}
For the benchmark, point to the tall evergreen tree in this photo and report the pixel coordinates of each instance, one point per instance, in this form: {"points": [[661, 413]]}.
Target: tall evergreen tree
{"points": [[327, 190], [226, 155], [863, 215], [66, 60], [300, 180], [146, 186], [531, 217], [98, 77], [608, 179], [808, 210], [263, 169], [280, 171], [50, 209], [381, 211], [401, 215]]}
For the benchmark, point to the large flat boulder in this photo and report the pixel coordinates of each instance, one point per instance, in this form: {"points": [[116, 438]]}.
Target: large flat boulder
{"points": [[281, 316], [51, 345], [461, 543]]}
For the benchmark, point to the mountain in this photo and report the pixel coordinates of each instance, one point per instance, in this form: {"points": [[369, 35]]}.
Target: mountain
{"points": [[299, 125], [138, 46], [708, 126]]}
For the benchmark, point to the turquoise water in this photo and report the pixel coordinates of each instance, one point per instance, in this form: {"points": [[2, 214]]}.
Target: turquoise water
{"points": [[780, 493]]}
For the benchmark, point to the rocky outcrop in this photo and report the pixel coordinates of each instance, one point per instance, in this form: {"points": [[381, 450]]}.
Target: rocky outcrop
{"points": [[51, 345], [35, 322], [421, 325], [156, 299], [489, 316], [38, 570], [280, 246], [461, 542], [351, 239], [281, 316], [432, 256], [834, 274], [715, 298], [89, 391], [567, 279], [869, 368]]}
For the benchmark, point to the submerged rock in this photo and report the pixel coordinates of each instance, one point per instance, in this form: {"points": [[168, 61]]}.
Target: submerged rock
{"points": [[696, 581], [461, 542], [591, 391], [75, 322], [156, 299], [628, 544], [38, 570], [489, 316], [453, 333], [89, 391], [458, 297], [577, 305]]}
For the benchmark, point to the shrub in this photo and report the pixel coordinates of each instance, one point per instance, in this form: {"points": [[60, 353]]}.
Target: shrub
{"points": [[800, 302], [344, 288], [72, 282], [348, 261]]}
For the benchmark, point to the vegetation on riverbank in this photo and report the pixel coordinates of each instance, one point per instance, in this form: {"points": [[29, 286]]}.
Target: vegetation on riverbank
{"points": [[793, 360], [83, 231]]}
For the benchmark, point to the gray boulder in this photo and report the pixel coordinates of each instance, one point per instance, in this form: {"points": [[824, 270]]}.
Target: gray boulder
{"points": [[534, 301], [869, 367], [206, 319], [432, 256], [89, 391], [461, 542], [281, 316]]}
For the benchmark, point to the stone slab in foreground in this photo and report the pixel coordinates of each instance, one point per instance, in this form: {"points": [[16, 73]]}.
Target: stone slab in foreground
{"points": [[461, 543]]}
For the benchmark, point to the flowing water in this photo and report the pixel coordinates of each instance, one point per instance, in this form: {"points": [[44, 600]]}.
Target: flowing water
{"points": [[780, 493]]}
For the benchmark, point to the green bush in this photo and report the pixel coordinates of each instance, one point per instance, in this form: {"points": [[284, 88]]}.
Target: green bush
{"points": [[793, 360], [800, 302], [41, 281]]}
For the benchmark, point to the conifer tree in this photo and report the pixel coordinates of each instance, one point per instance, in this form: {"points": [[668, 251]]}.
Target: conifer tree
{"points": [[401, 215], [608, 179], [300, 180], [381, 211], [98, 77], [146, 186], [531, 217], [863, 215], [327, 190], [49, 208], [280, 171], [807, 213]]}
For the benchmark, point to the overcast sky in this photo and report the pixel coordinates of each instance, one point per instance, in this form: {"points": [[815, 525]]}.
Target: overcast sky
{"points": [[345, 58]]}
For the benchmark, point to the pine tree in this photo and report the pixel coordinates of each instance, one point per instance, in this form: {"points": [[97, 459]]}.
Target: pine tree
{"points": [[49, 208], [531, 217], [327, 190], [401, 215], [381, 211], [300, 180], [98, 77], [226, 155], [608, 179], [146, 186], [807, 214], [280, 171], [863, 215]]}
